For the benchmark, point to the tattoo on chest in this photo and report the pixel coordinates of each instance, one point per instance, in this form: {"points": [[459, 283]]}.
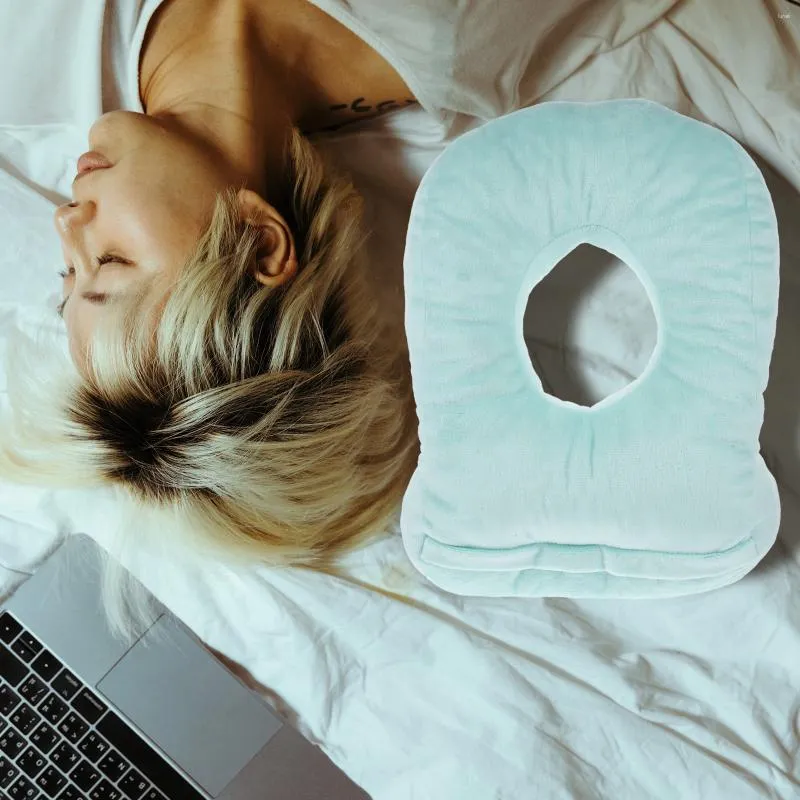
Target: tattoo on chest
{"points": [[361, 109]]}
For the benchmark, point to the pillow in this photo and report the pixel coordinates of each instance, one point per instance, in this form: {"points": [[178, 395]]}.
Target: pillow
{"points": [[657, 490]]}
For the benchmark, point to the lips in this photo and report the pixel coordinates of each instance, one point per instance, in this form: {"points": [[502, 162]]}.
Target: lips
{"points": [[92, 160]]}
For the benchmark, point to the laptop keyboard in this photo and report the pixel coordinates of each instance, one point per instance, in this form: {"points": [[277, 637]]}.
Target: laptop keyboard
{"points": [[59, 741]]}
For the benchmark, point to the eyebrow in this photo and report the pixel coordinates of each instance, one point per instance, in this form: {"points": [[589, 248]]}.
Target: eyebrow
{"points": [[98, 298]]}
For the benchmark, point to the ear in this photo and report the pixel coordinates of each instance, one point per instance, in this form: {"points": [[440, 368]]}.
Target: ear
{"points": [[276, 257]]}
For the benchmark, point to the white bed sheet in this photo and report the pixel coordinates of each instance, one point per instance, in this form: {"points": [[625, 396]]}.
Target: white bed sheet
{"points": [[453, 697]]}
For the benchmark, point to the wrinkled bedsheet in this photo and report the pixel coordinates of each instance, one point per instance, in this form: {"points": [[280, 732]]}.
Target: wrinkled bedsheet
{"points": [[436, 695]]}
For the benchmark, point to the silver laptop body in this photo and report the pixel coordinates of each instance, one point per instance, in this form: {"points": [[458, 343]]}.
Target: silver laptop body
{"points": [[86, 716]]}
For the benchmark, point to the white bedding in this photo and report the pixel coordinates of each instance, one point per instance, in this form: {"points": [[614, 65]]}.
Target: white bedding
{"points": [[475, 698]]}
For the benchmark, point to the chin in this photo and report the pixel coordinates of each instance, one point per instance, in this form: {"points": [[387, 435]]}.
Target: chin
{"points": [[112, 127]]}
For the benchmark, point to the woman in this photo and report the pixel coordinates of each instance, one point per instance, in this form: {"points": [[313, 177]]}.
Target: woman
{"points": [[226, 344], [226, 351]]}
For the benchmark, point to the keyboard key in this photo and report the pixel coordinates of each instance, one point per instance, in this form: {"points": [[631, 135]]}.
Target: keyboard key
{"points": [[64, 757], [66, 684], [113, 766], [31, 641], [133, 785], [9, 700], [11, 743], [23, 649], [12, 670], [73, 727], [45, 738], [46, 665], [32, 689], [71, 793], [88, 706], [22, 789], [93, 746], [9, 628], [31, 762], [8, 772], [53, 709], [154, 794], [51, 781], [24, 718], [84, 776], [105, 791]]}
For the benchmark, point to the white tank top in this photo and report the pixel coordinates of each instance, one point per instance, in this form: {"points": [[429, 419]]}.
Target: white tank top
{"points": [[488, 57]]}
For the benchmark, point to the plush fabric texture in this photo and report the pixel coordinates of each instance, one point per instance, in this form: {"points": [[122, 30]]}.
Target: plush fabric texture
{"points": [[657, 490]]}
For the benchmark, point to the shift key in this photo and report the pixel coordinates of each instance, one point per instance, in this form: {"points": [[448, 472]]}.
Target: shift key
{"points": [[12, 670]]}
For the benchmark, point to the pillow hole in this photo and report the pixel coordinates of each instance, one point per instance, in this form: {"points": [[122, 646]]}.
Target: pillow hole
{"points": [[589, 327]]}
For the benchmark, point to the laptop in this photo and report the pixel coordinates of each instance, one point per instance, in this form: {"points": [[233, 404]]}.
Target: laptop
{"points": [[84, 716]]}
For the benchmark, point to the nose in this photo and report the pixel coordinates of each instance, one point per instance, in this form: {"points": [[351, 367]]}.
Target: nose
{"points": [[70, 217]]}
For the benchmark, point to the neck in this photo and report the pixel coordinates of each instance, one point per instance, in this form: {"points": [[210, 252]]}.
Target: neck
{"points": [[232, 75]]}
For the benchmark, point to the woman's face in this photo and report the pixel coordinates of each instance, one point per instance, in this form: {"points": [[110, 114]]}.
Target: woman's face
{"points": [[142, 216]]}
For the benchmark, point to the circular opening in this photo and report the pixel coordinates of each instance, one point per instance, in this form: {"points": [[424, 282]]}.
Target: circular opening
{"points": [[589, 327]]}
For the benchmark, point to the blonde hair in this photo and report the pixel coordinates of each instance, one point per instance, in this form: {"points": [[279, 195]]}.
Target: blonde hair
{"points": [[274, 424]]}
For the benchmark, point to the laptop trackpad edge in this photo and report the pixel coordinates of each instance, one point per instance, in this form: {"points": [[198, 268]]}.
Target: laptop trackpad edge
{"points": [[190, 705]]}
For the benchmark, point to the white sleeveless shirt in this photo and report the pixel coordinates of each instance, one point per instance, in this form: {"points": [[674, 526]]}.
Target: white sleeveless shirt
{"points": [[489, 57]]}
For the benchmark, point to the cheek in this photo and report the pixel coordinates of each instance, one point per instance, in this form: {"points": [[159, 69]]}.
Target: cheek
{"points": [[173, 218], [77, 351], [81, 320], [163, 199]]}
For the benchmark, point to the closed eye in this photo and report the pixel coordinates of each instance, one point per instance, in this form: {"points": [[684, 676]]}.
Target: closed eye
{"points": [[98, 298], [108, 258]]}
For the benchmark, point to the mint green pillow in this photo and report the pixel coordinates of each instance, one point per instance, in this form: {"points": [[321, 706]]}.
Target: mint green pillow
{"points": [[658, 490]]}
